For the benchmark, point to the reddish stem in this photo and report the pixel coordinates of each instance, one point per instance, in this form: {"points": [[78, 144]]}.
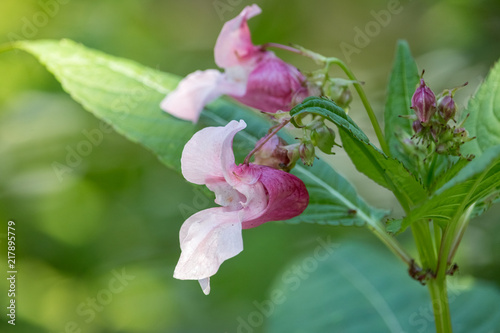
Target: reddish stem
{"points": [[266, 138], [281, 46]]}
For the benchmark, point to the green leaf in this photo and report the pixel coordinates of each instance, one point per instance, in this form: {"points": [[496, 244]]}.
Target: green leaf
{"points": [[402, 84], [118, 91], [127, 96], [447, 174], [333, 200], [484, 115], [387, 172], [328, 109], [477, 181], [393, 226], [354, 287]]}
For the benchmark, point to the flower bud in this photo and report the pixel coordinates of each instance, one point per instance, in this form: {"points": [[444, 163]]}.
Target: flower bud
{"points": [[293, 154], [306, 152], [417, 126], [461, 131], [338, 91], [323, 137], [272, 153], [447, 107], [423, 103]]}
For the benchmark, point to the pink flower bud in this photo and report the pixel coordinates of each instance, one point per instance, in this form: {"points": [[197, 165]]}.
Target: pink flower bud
{"points": [[447, 107], [417, 126], [461, 131], [423, 103]]}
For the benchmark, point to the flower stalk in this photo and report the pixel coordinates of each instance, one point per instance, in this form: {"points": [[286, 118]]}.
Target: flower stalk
{"points": [[274, 131], [327, 62]]}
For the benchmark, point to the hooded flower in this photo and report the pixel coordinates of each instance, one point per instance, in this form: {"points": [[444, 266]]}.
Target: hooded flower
{"points": [[255, 77], [249, 195]]}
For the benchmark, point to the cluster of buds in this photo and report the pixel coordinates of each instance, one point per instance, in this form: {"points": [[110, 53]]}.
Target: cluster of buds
{"points": [[336, 89], [274, 152], [434, 120], [315, 135]]}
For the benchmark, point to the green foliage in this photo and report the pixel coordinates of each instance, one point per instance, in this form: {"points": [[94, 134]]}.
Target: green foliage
{"points": [[331, 111], [348, 284], [127, 95], [402, 83], [118, 91], [333, 200], [386, 171], [369, 160], [476, 181], [484, 115], [447, 174]]}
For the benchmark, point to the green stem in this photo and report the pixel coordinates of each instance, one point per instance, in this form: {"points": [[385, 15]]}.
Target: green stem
{"points": [[390, 242], [440, 306], [364, 100], [431, 170], [451, 239], [438, 235], [320, 59], [423, 241]]}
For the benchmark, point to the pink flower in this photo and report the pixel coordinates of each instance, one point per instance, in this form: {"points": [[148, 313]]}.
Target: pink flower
{"points": [[249, 195], [254, 76]]}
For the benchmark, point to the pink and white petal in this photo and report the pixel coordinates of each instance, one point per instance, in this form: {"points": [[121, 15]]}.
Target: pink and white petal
{"points": [[252, 189], [234, 44], [209, 153], [286, 194], [226, 195], [193, 93], [256, 204], [207, 239]]}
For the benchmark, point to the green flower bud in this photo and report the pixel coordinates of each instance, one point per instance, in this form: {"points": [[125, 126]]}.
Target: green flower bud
{"points": [[323, 137], [307, 153], [338, 91]]}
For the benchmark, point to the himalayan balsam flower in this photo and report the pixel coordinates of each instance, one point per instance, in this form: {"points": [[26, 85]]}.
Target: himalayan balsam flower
{"points": [[249, 195], [255, 77]]}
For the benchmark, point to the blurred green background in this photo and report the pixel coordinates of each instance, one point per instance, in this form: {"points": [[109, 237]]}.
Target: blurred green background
{"points": [[118, 210]]}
